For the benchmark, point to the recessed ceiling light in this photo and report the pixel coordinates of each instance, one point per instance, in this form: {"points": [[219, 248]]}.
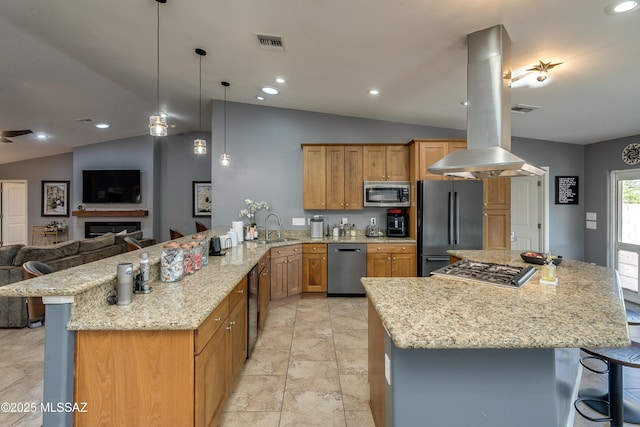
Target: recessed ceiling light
{"points": [[621, 6], [102, 125], [42, 136], [260, 98], [280, 80], [270, 90], [374, 92]]}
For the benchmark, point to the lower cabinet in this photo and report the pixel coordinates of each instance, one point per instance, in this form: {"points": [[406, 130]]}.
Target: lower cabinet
{"points": [[314, 267], [391, 260], [286, 271], [168, 377]]}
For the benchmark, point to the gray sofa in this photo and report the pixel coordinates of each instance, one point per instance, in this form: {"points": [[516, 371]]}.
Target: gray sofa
{"points": [[13, 311]]}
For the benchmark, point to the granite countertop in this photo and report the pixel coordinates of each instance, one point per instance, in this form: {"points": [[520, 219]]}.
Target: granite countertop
{"points": [[180, 305], [585, 309]]}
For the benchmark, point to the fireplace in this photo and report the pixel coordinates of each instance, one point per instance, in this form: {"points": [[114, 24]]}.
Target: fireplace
{"points": [[93, 229]]}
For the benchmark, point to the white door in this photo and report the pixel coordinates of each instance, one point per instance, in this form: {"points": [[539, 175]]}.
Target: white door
{"points": [[625, 194], [13, 210], [526, 224]]}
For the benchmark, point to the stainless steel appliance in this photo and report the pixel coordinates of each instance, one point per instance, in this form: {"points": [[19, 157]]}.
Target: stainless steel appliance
{"points": [[316, 227], [252, 310], [387, 193], [449, 217], [346, 264], [509, 276], [397, 223]]}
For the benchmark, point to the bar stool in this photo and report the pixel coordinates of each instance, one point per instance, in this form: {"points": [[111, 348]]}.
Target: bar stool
{"points": [[175, 234], [131, 244], [200, 227], [35, 306]]}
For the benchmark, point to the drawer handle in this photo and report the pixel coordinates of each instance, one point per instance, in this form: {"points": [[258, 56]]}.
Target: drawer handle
{"points": [[241, 291], [217, 319], [229, 328], [232, 322]]}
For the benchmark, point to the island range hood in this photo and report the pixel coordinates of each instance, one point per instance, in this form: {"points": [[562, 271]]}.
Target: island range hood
{"points": [[488, 152]]}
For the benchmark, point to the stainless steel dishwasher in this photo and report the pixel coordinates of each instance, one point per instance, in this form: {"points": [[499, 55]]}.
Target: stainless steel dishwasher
{"points": [[347, 263]]}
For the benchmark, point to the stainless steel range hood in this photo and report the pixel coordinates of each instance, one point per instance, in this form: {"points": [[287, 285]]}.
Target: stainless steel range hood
{"points": [[488, 152]]}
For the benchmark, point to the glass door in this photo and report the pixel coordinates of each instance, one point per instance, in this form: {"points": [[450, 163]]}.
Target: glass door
{"points": [[626, 231]]}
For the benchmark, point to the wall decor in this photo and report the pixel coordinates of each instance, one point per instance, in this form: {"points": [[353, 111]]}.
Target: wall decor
{"points": [[566, 190], [55, 198], [201, 198], [631, 154]]}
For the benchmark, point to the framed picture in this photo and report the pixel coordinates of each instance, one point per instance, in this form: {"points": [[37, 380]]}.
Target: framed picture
{"points": [[201, 198], [55, 198]]}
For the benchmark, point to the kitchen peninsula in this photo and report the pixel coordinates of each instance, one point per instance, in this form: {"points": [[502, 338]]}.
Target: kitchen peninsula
{"points": [[444, 351]]}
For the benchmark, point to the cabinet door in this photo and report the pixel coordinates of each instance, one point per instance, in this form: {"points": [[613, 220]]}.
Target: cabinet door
{"points": [[313, 177], [497, 229], [238, 338], [497, 193], [403, 265], [397, 161], [335, 177], [264, 294], [353, 188], [211, 384], [314, 273], [294, 273], [431, 152], [374, 158], [278, 277], [378, 265]]}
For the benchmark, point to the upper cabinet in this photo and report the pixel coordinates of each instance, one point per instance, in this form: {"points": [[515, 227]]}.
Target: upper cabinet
{"points": [[314, 186], [344, 177], [430, 151], [386, 162]]}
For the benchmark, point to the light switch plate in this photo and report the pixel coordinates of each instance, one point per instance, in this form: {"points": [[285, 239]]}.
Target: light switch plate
{"points": [[592, 216], [592, 225], [298, 221]]}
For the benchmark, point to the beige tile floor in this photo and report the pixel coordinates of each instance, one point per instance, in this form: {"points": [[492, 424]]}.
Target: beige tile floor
{"points": [[309, 368]]}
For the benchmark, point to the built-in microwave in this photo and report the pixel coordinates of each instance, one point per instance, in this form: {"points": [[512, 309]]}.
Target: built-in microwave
{"points": [[387, 193]]}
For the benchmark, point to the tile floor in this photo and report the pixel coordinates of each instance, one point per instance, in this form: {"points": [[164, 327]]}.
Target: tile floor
{"points": [[309, 368]]}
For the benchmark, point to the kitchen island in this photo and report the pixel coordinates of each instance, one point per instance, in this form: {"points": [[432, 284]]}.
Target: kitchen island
{"points": [[445, 351]]}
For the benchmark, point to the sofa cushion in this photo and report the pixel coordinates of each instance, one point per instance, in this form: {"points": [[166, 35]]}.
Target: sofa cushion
{"points": [[120, 236], [45, 253], [106, 252], [8, 253], [99, 242]]}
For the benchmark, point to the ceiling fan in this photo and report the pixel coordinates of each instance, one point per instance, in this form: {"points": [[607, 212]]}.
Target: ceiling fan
{"points": [[6, 134]]}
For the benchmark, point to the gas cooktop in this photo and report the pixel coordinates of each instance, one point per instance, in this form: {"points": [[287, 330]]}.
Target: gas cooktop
{"points": [[485, 272]]}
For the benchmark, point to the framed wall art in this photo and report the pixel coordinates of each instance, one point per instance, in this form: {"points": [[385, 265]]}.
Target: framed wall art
{"points": [[55, 198], [201, 198]]}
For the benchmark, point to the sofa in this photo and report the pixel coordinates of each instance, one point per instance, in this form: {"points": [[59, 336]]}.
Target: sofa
{"points": [[59, 256]]}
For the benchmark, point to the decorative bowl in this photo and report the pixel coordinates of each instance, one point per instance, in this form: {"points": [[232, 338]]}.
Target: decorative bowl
{"points": [[539, 258]]}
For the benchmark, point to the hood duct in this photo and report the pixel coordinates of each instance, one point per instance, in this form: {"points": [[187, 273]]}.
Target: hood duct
{"points": [[488, 152]]}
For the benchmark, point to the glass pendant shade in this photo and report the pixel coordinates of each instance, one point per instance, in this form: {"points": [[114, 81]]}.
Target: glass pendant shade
{"points": [[199, 146], [225, 160], [158, 125]]}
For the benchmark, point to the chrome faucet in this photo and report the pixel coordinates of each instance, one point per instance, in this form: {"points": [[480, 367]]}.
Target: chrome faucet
{"points": [[266, 226]]}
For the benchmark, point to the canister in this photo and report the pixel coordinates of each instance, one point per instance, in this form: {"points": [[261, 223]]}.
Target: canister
{"points": [[171, 262], [204, 247], [188, 259]]}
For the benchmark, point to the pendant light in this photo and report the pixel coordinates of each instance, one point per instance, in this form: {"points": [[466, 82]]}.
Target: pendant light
{"points": [[200, 145], [158, 122], [225, 160]]}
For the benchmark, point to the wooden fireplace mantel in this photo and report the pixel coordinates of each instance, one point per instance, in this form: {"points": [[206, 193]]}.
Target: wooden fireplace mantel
{"points": [[104, 213]]}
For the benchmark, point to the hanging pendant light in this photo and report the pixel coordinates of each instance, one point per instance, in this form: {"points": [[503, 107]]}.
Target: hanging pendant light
{"points": [[200, 145], [158, 122], [225, 160]]}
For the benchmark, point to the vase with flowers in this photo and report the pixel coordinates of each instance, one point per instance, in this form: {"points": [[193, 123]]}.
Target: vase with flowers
{"points": [[250, 213]]}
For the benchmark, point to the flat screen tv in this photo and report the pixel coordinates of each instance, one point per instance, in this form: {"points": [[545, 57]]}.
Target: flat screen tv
{"points": [[111, 186]]}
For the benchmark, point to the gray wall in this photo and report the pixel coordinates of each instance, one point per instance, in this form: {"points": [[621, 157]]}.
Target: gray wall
{"points": [[600, 159], [52, 168], [566, 222]]}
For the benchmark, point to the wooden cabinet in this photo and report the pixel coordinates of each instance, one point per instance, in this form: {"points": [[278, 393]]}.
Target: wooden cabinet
{"points": [[391, 260], [264, 289], [314, 267], [286, 271], [430, 151], [314, 177], [237, 328], [497, 213], [385, 162], [344, 177]]}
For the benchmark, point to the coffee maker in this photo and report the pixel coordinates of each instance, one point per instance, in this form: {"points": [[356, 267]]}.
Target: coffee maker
{"points": [[397, 223]]}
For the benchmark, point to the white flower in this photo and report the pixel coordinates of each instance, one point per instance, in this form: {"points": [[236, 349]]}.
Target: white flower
{"points": [[252, 207]]}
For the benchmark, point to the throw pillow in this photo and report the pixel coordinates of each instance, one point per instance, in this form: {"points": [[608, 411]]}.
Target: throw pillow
{"points": [[99, 242]]}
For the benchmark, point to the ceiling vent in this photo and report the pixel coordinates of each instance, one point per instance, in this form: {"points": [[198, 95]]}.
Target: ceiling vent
{"points": [[523, 109], [270, 42], [85, 120]]}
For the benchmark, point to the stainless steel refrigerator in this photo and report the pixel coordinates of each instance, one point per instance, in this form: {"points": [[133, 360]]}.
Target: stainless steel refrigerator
{"points": [[449, 217]]}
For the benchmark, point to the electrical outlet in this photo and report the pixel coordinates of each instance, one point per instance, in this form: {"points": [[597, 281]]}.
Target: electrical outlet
{"points": [[373, 221], [345, 221]]}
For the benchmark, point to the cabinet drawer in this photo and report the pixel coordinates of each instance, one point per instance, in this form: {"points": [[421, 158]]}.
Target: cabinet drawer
{"points": [[211, 325], [314, 248], [238, 293], [286, 251], [264, 262], [394, 248]]}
